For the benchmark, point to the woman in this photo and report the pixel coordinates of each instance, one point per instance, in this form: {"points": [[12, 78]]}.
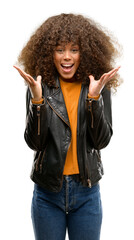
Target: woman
{"points": [[69, 68]]}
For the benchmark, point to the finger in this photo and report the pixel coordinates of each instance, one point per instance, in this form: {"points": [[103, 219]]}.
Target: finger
{"points": [[31, 79], [19, 69], [22, 73], [113, 72], [26, 76], [110, 77], [39, 78], [107, 76], [15, 67], [91, 77]]}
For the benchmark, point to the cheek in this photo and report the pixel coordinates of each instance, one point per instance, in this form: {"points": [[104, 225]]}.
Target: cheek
{"points": [[78, 59], [56, 60], [78, 62]]}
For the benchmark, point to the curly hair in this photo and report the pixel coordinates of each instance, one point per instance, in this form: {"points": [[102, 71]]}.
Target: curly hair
{"points": [[97, 48]]}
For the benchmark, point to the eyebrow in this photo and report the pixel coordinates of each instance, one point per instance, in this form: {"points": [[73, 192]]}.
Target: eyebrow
{"points": [[63, 45], [75, 45]]}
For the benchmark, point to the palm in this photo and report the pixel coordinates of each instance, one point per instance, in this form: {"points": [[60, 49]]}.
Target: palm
{"points": [[35, 86], [95, 87]]}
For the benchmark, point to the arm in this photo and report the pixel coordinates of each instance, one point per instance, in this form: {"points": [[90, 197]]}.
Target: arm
{"points": [[99, 119], [36, 124], [99, 115], [36, 118]]}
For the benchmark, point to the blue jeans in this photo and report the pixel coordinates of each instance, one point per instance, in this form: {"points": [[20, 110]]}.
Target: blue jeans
{"points": [[75, 207]]}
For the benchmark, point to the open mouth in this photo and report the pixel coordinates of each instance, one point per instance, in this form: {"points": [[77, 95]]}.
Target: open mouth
{"points": [[67, 67]]}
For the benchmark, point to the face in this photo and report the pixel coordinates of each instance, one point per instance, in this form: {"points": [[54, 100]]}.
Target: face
{"points": [[67, 60]]}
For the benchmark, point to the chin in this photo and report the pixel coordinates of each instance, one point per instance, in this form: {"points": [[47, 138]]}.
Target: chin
{"points": [[71, 77]]}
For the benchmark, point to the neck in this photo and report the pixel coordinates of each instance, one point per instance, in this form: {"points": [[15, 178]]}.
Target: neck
{"points": [[68, 80]]}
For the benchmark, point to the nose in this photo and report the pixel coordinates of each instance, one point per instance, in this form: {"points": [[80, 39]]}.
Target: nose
{"points": [[67, 55]]}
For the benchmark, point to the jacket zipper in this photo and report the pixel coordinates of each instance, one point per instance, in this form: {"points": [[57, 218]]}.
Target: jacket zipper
{"points": [[38, 115], [92, 117], [60, 118], [89, 183], [88, 178], [40, 162], [37, 162], [98, 156]]}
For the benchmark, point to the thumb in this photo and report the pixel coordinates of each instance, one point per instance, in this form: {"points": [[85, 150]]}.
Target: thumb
{"points": [[39, 77], [91, 77]]}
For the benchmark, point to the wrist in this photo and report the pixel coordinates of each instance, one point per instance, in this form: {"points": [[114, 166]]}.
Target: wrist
{"points": [[95, 97], [36, 98], [37, 101]]}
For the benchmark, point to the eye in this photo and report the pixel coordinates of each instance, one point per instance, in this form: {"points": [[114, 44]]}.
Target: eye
{"points": [[75, 50], [59, 49]]}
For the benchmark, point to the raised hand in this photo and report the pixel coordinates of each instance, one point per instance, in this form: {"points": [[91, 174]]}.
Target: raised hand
{"points": [[35, 86], [95, 87]]}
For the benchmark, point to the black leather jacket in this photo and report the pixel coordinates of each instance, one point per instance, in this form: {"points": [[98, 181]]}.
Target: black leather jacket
{"points": [[48, 134]]}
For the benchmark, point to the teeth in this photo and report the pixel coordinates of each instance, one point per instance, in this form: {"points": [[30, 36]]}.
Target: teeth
{"points": [[66, 65]]}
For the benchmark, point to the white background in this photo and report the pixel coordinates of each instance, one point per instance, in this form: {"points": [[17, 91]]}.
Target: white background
{"points": [[18, 20]]}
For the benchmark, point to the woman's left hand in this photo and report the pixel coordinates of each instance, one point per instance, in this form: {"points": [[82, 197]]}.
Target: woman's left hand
{"points": [[96, 86]]}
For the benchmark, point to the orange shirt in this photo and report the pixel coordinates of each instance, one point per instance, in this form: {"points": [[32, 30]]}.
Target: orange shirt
{"points": [[71, 93]]}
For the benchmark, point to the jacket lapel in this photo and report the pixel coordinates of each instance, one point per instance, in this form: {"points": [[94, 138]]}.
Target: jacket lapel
{"points": [[56, 101]]}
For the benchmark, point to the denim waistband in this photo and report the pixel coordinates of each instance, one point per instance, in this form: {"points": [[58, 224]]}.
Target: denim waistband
{"points": [[75, 177]]}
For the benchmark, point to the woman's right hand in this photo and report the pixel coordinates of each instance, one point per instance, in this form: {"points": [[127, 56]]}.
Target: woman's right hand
{"points": [[35, 86]]}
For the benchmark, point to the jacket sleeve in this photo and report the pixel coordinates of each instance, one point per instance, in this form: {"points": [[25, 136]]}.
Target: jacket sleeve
{"points": [[36, 124], [99, 119]]}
